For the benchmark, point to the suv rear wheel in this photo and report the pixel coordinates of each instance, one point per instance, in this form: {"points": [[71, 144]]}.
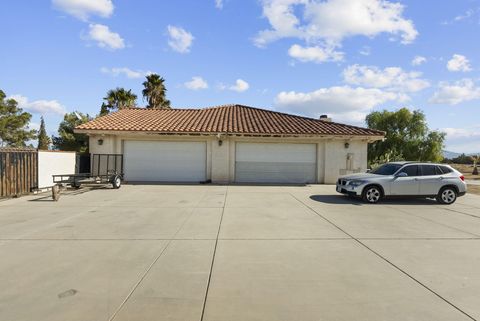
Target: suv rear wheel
{"points": [[371, 194], [447, 195]]}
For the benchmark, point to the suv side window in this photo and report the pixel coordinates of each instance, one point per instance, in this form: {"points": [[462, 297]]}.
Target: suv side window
{"points": [[411, 170], [438, 170], [428, 170], [445, 169]]}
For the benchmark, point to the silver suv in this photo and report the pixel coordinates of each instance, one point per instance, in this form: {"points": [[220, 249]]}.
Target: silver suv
{"points": [[405, 179]]}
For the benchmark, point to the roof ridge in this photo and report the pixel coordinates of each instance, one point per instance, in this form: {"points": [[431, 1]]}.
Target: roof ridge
{"points": [[248, 107], [231, 118]]}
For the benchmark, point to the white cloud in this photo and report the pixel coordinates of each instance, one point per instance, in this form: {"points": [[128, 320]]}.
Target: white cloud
{"points": [[391, 78], [240, 86], [463, 140], [459, 63], [365, 51], [456, 93], [105, 38], [418, 60], [314, 54], [465, 16], [33, 125], [462, 132], [343, 103], [328, 23], [39, 106], [129, 73], [83, 9], [180, 40], [219, 4], [196, 83]]}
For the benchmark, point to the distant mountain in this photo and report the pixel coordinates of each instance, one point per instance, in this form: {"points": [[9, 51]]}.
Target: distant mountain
{"points": [[450, 155]]}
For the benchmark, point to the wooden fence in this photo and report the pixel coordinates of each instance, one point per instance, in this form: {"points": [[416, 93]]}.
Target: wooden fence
{"points": [[18, 171]]}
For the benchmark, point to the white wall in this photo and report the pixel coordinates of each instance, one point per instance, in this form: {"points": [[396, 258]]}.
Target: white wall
{"points": [[335, 158], [109, 144], [220, 165], [52, 163], [331, 153]]}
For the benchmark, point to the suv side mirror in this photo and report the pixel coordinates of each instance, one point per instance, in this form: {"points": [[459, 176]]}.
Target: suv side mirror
{"points": [[401, 174]]}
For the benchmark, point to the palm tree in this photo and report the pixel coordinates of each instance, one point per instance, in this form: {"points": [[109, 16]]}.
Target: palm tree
{"points": [[117, 99], [476, 159], [155, 92]]}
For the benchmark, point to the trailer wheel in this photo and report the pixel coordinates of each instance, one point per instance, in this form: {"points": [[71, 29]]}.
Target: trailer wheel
{"points": [[117, 182], [55, 192]]}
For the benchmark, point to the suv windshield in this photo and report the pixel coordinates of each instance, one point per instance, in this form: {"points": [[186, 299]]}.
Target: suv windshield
{"points": [[386, 169]]}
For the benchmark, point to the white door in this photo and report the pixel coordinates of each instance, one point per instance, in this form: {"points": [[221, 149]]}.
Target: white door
{"points": [[408, 185], [157, 161], [431, 180], [275, 163]]}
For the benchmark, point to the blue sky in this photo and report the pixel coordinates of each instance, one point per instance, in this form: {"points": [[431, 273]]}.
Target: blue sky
{"points": [[343, 58]]}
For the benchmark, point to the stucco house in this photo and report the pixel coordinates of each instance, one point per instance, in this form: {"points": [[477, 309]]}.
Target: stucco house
{"points": [[230, 143]]}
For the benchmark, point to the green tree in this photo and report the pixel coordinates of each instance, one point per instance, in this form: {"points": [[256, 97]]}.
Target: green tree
{"points": [[155, 92], [462, 159], [104, 110], [67, 139], [407, 137], [14, 131], [43, 139], [117, 99]]}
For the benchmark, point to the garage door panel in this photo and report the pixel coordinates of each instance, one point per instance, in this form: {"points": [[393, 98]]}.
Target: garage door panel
{"points": [[275, 163], [275, 172], [283, 153], [165, 161]]}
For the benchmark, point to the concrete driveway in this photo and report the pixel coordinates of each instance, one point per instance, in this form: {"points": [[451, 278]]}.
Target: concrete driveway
{"points": [[228, 253]]}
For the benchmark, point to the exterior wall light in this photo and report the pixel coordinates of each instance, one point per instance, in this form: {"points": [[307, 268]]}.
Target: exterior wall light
{"points": [[220, 138], [100, 141], [347, 145]]}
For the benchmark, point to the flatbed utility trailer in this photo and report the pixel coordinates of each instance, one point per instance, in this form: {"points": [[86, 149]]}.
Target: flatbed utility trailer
{"points": [[105, 169]]}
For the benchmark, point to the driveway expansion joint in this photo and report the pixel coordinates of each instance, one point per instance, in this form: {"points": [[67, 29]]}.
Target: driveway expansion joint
{"points": [[388, 261], [144, 275], [213, 256], [435, 222]]}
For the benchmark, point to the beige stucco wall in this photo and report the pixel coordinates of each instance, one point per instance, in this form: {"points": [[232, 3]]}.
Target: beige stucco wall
{"points": [[333, 158]]}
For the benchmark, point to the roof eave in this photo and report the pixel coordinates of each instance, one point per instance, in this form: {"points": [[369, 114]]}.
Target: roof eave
{"points": [[369, 137]]}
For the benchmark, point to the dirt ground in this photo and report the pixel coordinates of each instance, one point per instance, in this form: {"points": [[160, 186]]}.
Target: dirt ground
{"points": [[467, 170]]}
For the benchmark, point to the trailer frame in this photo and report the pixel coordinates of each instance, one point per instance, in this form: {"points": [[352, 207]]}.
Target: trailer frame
{"points": [[101, 172]]}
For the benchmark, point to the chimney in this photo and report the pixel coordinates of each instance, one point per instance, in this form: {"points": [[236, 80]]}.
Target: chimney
{"points": [[325, 118]]}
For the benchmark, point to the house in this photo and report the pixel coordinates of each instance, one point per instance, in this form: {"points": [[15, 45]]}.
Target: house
{"points": [[230, 143]]}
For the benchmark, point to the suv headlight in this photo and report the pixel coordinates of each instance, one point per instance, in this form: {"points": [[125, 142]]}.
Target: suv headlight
{"points": [[356, 183]]}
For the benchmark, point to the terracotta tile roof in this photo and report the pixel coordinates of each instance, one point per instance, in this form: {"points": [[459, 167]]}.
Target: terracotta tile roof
{"points": [[232, 119]]}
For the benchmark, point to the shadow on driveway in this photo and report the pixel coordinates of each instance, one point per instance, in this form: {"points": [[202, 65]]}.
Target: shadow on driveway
{"points": [[47, 196], [336, 199], [341, 199]]}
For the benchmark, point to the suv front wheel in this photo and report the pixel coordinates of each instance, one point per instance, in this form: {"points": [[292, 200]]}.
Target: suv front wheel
{"points": [[371, 194], [447, 195]]}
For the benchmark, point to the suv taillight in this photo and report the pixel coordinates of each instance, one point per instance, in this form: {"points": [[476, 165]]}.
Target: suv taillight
{"points": [[462, 178]]}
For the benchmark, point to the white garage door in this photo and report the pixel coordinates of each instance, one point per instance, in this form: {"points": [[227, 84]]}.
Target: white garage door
{"points": [[275, 163], [154, 161]]}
